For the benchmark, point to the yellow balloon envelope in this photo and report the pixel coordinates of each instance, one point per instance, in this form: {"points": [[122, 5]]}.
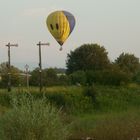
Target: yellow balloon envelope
{"points": [[60, 24]]}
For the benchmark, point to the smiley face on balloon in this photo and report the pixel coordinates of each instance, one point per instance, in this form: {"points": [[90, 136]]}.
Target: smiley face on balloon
{"points": [[60, 24]]}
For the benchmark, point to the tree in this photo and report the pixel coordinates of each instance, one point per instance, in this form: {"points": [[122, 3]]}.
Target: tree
{"points": [[87, 57], [128, 63], [49, 77], [78, 77], [136, 78], [15, 75], [63, 79], [34, 79]]}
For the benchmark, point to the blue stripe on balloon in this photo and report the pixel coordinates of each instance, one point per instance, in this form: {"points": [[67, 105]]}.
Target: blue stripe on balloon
{"points": [[71, 20]]}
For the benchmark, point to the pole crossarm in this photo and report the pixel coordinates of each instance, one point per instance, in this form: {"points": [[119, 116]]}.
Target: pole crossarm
{"points": [[12, 45], [43, 44]]}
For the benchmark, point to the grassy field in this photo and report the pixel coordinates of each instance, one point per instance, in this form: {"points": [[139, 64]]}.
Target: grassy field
{"points": [[114, 113]]}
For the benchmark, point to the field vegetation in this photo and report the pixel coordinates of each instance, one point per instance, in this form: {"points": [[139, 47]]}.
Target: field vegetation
{"points": [[103, 112], [93, 97]]}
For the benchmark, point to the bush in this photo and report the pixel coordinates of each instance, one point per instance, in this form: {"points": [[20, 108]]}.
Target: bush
{"points": [[63, 80], [57, 99], [32, 120], [91, 92], [136, 78], [5, 99], [78, 77], [70, 102], [115, 77], [92, 77], [111, 76], [107, 77]]}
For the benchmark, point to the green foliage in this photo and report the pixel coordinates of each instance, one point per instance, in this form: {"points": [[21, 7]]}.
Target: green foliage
{"points": [[57, 98], [107, 126], [5, 99], [101, 119], [128, 63], [78, 77], [93, 77], [60, 70], [136, 78], [91, 92], [34, 79], [15, 75], [50, 77], [125, 126], [92, 59], [87, 57], [111, 76], [71, 102], [63, 80], [115, 117], [32, 120], [114, 78], [81, 100]]}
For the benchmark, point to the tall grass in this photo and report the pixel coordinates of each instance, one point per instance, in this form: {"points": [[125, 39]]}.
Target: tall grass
{"points": [[107, 126], [125, 126], [106, 113], [31, 119]]}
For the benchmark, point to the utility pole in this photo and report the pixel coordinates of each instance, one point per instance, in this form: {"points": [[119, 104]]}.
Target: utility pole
{"points": [[40, 63], [9, 64], [27, 75]]}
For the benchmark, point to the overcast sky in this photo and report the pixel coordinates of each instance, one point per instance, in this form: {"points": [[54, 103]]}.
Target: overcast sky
{"points": [[114, 24]]}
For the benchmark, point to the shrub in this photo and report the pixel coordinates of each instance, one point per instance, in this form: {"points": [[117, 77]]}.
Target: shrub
{"points": [[78, 77], [92, 77], [136, 78], [110, 76], [71, 102], [56, 98], [63, 80], [31, 119], [4, 99], [107, 77], [114, 77], [91, 92]]}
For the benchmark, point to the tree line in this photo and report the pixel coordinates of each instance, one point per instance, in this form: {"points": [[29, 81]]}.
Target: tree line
{"points": [[86, 65]]}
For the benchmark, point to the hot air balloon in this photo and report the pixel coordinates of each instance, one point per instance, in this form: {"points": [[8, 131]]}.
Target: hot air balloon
{"points": [[60, 24]]}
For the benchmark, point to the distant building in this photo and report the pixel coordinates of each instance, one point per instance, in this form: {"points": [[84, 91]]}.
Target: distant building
{"points": [[61, 74], [24, 74]]}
